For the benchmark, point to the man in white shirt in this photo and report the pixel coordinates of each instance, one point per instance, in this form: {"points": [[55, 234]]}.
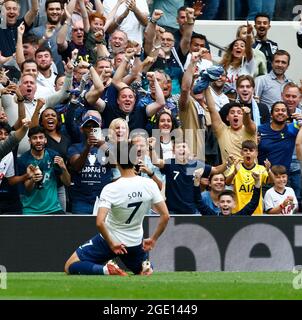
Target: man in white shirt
{"points": [[46, 77], [133, 25], [121, 210]]}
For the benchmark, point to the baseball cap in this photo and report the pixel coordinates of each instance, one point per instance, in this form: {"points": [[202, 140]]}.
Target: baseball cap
{"points": [[91, 118]]}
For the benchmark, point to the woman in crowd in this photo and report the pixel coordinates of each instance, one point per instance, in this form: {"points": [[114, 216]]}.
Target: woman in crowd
{"points": [[56, 140], [166, 124], [238, 59]]}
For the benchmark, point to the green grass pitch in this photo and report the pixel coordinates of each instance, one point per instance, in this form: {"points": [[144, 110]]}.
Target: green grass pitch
{"points": [[161, 285]]}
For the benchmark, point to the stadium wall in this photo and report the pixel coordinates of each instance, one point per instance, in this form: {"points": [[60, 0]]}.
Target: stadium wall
{"points": [[190, 243]]}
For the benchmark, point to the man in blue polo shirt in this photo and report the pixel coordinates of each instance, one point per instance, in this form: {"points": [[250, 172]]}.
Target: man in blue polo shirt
{"points": [[277, 139]]}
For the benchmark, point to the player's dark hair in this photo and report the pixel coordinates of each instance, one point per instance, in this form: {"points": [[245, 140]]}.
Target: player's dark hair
{"points": [[249, 144], [122, 155], [35, 130], [227, 193], [278, 169]]}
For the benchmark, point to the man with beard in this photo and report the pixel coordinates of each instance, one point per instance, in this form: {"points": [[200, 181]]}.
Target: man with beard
{"points": [[46, 77], [277, 139], [48, 33], [268, 47], [43, 166], [269, 87], [245, 85]]}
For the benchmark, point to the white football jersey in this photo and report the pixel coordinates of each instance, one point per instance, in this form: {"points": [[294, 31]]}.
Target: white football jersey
{"points": [[129, 200], [273, 199]]}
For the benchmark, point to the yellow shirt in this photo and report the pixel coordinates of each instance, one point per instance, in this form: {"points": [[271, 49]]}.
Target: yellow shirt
{"points": [[244, 185]]}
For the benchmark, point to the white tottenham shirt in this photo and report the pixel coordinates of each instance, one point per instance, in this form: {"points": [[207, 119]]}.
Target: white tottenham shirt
{"points": [[128, 199]]}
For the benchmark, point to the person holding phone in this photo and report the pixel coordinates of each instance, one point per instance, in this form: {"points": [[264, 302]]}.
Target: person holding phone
{"points": [[90, 170]]}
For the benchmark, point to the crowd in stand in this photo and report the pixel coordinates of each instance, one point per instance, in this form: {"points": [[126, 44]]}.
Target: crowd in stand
{"points": [[79, 76]]}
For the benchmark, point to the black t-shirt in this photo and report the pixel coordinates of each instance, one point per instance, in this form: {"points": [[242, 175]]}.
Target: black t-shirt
{"points": [[82, 55], [8, 38]]}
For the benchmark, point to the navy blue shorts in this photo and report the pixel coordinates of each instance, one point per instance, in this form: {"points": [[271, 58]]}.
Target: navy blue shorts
{"points": [[96, 250]]}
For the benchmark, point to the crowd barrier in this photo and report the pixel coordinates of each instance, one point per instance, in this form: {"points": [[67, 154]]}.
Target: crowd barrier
{"points": [[190, 243]]}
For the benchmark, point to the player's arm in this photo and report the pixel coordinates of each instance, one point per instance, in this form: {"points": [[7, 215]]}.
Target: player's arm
{"points": [[161, 208], [117, 248]]}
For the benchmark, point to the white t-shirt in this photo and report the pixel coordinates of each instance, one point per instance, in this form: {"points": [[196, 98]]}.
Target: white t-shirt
{"points": [[203, 64], [167, 150], [248, 67], [130, 24], [272, 199], [129, 199], [45, 86], [7, 168], [220, 99]]}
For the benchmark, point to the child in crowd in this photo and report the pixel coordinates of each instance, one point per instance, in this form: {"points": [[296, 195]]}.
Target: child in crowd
{"points": [[280, 199], [241, 178], [179, 176]]}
